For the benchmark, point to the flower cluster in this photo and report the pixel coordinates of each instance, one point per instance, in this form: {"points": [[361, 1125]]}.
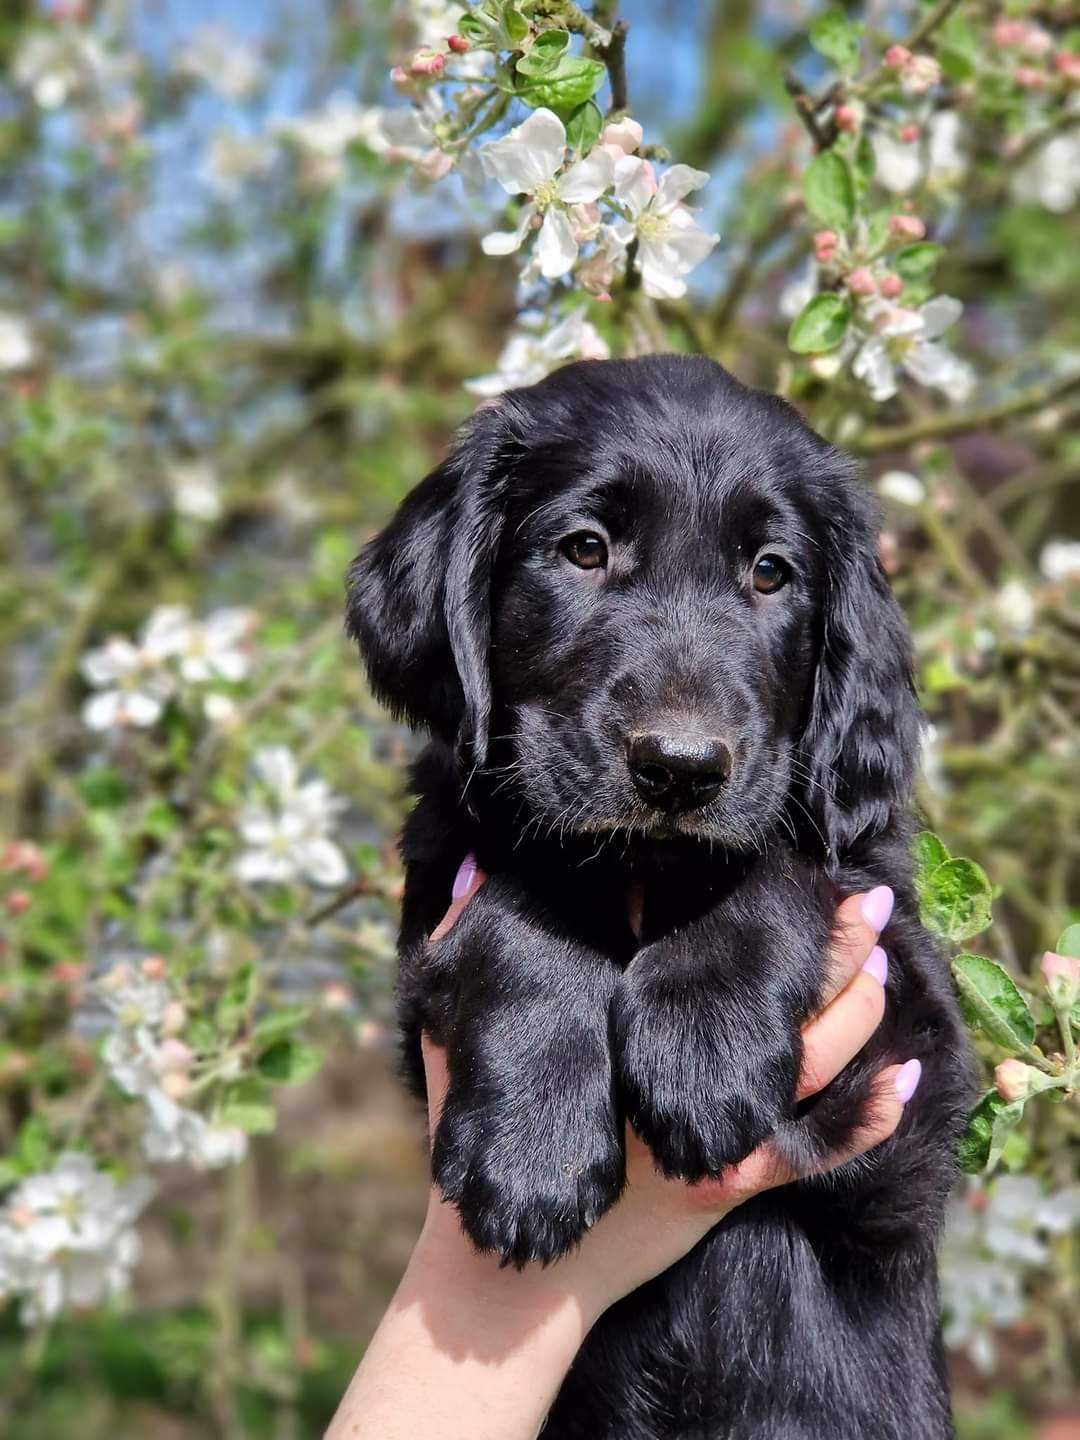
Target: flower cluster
{"points": [[144, 1054], [67, 1237], [135, 679], [291, 837], [994, 1237]]}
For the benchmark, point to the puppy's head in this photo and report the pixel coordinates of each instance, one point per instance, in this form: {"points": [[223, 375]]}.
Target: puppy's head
{"points": [[642, 598]]}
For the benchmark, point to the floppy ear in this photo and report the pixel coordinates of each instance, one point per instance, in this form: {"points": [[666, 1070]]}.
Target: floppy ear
{"points": [[419, 595], [861, 740]]}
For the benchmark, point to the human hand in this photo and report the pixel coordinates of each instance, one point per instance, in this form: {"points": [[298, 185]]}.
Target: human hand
{"points": [[658, 1220]]}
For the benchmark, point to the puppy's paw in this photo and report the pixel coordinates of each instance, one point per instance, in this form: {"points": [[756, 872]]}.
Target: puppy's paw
{"points": [[527, 1186], [704, 1080]]}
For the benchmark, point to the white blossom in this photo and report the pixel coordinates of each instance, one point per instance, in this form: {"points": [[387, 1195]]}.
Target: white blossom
{"points": [[528, 357], [908, 340], [144, 1057], [221, 60], [291, 838], [56, 65], [1060, 560], [988, 1248], [902, 487], [211, 649], [323, 136], [195, 490], [1015, 606], [16, 342], [1051, 176], [232, 159], [133, 687], [528, 162], [67, 1238], [670, 243], [937, 157]]}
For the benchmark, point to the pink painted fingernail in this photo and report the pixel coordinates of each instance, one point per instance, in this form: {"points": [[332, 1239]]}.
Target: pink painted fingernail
{"points": [[877, 906], [907, 1079], [877, 965], [464, 878]]}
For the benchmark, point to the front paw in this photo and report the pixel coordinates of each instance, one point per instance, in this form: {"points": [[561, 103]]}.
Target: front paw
{"points": [[527, 1185], [705, 1076]]}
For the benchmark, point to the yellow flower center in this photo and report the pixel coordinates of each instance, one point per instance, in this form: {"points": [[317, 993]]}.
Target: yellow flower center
{"points": [[651, 226], [546, 194]]}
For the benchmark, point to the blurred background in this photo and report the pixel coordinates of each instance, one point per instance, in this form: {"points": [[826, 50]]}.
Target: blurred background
{"points": [[238, 312]]}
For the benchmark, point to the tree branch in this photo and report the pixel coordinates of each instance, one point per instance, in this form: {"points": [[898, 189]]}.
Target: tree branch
{"points": [[945, 423]]}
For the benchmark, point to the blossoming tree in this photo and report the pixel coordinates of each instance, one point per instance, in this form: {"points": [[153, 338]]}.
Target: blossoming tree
{"points": [[253, 284]]}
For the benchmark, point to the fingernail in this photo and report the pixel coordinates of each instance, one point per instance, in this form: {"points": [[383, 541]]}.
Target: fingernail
{"points": [[464, 878], [877, 906], [877, 965], [907, 1079]]}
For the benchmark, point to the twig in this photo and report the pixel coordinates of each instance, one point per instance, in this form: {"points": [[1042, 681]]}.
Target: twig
{"points": [[937, 427], [808, 107], [614, 57], [360, 886], [582, 23]]}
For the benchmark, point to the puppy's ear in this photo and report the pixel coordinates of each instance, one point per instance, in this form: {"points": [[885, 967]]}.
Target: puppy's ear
{"points": [[419, 594], [861, 741]]}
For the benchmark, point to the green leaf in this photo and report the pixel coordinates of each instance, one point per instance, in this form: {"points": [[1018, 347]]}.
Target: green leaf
{"points": [[247, 1106], [472, 28], [33, 1148], [834, 36], [820, 326], [955, 901], [546, 52], [289, 1062], [928, 852], [992, 1003], [1069, 942], [279, 1023], [917, 262], [987, 1133], [829, 191], [237, 1000], [583, 127], [515, 27], [103, 788], [573, 81]]}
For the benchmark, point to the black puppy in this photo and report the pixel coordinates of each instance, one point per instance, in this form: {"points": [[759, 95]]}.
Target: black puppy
{"points": [[640, 612]]}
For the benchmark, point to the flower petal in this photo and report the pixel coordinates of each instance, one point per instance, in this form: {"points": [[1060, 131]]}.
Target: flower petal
{"points": [[676, 184], [322, 862], [505, 242], [635, 183], [588, 178], [938, 314], [529, 155], [556, 248]]}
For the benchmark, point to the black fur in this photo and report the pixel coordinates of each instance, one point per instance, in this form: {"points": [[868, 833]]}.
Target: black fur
{"points": [[811, 1311]]}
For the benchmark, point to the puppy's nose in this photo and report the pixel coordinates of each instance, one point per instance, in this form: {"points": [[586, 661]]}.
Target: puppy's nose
{"points": [[680, 771]]}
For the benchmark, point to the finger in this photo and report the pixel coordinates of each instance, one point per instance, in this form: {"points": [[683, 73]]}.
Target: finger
{"points": [[438, 1079], [835, 1036], [467, 881], [859, 921], [765, 1169], [892, 1090]]}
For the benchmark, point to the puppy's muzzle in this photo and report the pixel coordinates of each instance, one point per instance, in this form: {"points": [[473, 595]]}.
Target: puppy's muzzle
{"points": [[679, 771]]}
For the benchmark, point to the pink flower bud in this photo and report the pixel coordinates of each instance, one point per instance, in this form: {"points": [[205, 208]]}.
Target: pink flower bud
{"points": [[907, 227], [897, 57], [1062, 976], [18, 902], [825, 243], [861, 282], [891, 286], [399, 77], [153, 967], [1008, 32], [458, 44], [910, 133], [1015, 1080], [1029, 78], [23, 857], [1067, 63], [176, 1085], [426, 62], [174, 1018], [847, 117]]}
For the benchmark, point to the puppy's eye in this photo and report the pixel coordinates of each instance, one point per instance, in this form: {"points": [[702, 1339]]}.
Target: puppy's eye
{"points": [[585, 550], [771, 573]]}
